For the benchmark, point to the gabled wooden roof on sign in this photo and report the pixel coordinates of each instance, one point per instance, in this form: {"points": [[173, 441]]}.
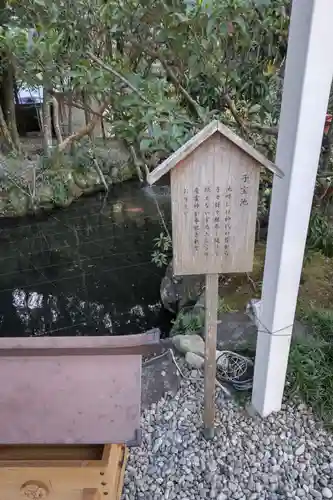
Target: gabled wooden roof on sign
{"points": [[202, 136]]}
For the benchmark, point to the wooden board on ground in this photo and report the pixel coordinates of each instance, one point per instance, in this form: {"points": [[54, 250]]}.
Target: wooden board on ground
{"points": [[37, 472], [74, 390]]}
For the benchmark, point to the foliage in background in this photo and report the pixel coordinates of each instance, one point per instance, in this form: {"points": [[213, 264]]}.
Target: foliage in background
{"points": [[192, 321], [163, 245], [189, 322], [320, 233], [159, 70], [310, 369], [320, 321]]}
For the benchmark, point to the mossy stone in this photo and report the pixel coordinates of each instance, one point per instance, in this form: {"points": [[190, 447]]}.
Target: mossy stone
{"points": [[44, 194], [19, 201], [80, 179], [3, 205]]}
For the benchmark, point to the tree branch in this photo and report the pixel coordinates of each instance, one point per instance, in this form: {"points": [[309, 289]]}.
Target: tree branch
{"points": [[245, 125], [70, 115], [98, 168], [229, 102], [327, 153], [170, 73], [8, 85], [87, 129], [194, 105], [136, 162], [56, 120], [71, 103], [263, 128], [46, 122], [119, 76], [322, 175], [5, 131]]}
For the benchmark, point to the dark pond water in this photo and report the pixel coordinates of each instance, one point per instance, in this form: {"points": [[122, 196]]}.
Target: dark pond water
{"points": [[85, 270]]}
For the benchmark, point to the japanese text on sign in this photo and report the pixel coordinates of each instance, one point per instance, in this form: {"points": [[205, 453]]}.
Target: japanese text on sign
{"points": [[227, 220], [244, 189], [196, 219], [207, 221], [217, 219], [212, 219], [186, 201]]}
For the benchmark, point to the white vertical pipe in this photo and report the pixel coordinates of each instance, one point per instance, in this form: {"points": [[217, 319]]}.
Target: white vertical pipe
{"points": [[308, 76]]}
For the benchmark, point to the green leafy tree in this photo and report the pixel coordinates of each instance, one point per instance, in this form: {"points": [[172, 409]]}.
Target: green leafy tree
{"points": [[158, 70]]}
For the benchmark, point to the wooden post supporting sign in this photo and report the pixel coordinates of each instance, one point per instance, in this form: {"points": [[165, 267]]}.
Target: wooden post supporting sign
{"points": [[210, 352], [214, 193]]}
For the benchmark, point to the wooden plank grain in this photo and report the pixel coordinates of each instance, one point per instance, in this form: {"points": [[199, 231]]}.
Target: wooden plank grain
{"points": [[122, 466], [114, 472], [214, 207], [192, 144], [249, 150], [70, 400], [182, 152], [211, 295], [64, 453], [41, 478], [80, 346]]}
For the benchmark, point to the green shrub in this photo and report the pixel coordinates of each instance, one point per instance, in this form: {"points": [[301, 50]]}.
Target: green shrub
{"points": [[320, 233], [310, 369]]}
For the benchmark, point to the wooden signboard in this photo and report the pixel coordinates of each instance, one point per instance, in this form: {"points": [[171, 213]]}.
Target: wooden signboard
{"points": [[214, 209], [214, 194]]}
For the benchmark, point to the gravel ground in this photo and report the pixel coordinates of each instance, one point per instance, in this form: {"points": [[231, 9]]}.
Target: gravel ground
{"points": [[288, 455]]}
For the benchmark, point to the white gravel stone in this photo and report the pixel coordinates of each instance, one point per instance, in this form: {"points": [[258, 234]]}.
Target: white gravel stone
{"points": [[300, 450], [287, 455]]}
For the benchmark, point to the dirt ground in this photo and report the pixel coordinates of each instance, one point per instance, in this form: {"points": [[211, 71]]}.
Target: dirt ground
{"points": [[316, 290]]}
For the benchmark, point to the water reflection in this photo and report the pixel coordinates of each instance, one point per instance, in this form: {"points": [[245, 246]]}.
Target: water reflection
{"points": [[83, 271]]}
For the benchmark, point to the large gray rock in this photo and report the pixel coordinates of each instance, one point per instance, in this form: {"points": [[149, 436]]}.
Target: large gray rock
{"points": [[253, 310], [176, 292], [189, 343], [194, 360], [113, 154], [113, 158], [236, 331], [159, 377]]}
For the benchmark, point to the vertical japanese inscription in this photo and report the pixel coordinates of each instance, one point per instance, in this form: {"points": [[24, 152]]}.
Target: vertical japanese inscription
{"points": [[227, 220], [212, 207], [217, 220], [207, 220], [244, 190], [196, 219], [186, 201]]}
